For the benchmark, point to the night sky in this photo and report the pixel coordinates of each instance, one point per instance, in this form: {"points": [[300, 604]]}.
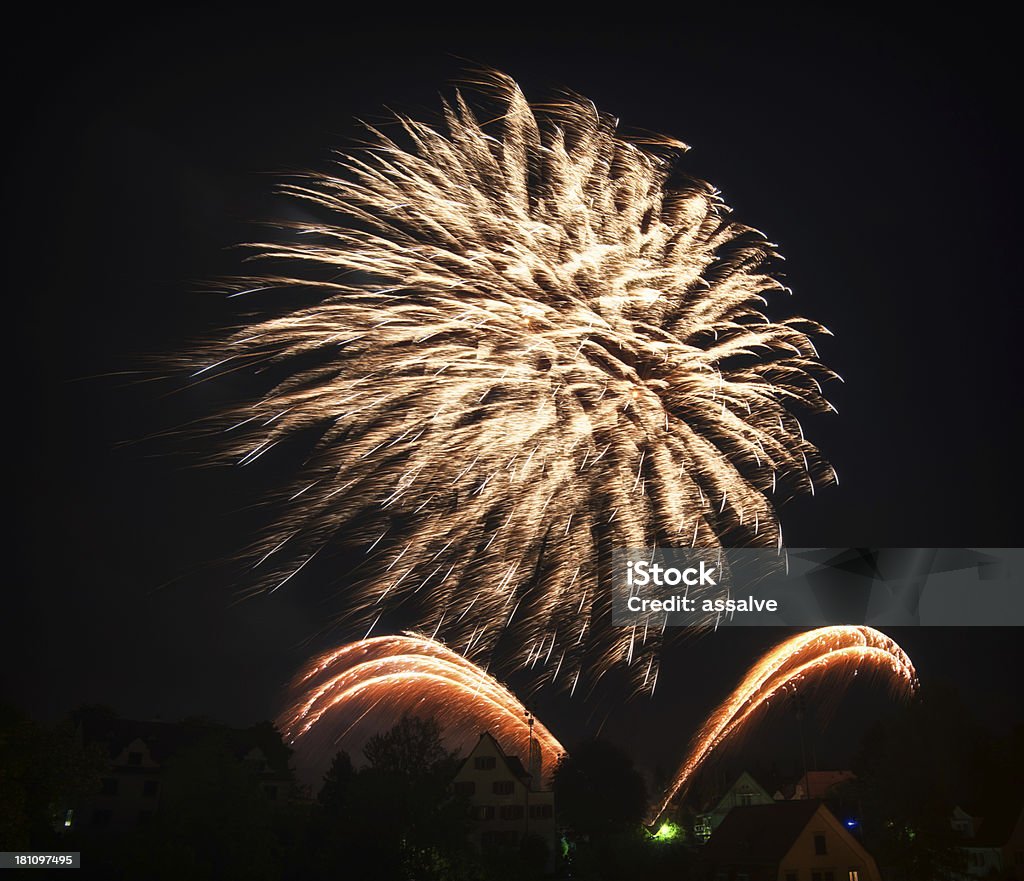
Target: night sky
{"points": [[880, 155]]}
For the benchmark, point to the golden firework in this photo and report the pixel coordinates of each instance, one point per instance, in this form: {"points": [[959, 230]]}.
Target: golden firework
{"points": [[525, 341]]}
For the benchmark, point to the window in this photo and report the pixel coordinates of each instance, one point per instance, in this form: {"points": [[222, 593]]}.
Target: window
{"points": [[854, 875], [483, 812], [109, 786], [271, 792], [150, 788], [790, 876], [502, 787], [465, 787], [540, 812], [512, 812], [816, 876], [819, 845], [830, 876], [134, 758], [484, 763], [746, 799]]}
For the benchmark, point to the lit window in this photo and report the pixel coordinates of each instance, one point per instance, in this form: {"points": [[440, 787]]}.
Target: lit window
{"points": [[854, 875]]}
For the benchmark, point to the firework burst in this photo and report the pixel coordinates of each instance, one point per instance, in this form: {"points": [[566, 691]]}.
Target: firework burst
{"points": [[530, 340]]}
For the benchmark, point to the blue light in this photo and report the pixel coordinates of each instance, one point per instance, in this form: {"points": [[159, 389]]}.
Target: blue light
{"points": [[851, 823]]}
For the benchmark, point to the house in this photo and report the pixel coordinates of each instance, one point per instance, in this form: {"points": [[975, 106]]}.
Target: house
{"points": [[138, 752], [744, 792], [993, 842], [798, 840], [507, 802]]}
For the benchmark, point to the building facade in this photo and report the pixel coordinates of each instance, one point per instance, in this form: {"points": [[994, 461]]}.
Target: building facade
{"points": [[507, 803], [744, 792], [139, 753], [797, 840]]}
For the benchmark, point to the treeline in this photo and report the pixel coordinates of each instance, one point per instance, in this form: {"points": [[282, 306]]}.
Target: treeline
{"points": [[396, 815]]}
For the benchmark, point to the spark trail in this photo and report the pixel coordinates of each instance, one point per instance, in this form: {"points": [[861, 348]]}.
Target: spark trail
{"points": [[387, 677], [840, 651]]}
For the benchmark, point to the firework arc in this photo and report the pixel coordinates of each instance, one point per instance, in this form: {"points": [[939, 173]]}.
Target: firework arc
{"points": [[524, 342], [387, 677], [842, 651], [383, 678]]}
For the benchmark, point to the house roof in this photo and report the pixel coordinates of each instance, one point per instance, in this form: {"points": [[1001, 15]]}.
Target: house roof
{"points": [[719, 800], [514, 765], [163, 739], [819, 783], [760, 833]]}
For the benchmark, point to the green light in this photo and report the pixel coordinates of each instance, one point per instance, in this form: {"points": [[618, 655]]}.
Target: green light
{"points": [[666, 832]]}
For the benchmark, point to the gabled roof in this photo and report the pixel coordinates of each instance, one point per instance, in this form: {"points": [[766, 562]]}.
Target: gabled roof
{"points": [[760, 833], [163, 739], [818, 784], [512, 763], [746, 779]]}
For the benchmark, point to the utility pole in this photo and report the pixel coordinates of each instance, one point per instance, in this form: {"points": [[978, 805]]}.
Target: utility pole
{"points": [[529, 765], [801, 711]]}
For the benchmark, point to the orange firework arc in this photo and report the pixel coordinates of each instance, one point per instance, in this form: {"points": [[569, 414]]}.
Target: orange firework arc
{"points": [[388, 676], [395, 675], [837, 649]]}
